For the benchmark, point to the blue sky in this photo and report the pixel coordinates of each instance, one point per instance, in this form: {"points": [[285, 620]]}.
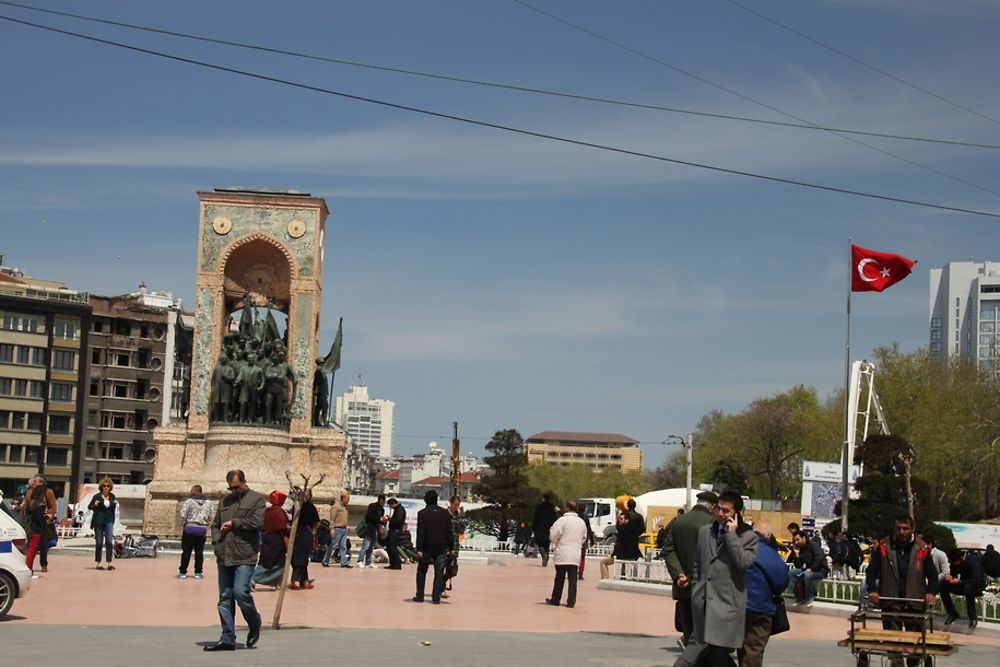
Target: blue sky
{"points": [[506, 281]]}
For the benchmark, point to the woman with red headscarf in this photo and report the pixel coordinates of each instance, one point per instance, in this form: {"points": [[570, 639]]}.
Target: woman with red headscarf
{"points": [[271, 563]]}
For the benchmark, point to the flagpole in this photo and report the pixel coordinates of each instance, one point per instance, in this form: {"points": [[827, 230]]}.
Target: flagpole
{"points": [[845, 464]]}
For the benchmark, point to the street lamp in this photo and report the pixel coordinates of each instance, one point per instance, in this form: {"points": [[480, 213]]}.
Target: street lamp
{"points": [[689, 446]]}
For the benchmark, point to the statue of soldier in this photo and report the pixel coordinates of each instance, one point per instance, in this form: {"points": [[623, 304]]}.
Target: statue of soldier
{"points": [[246, 318], [276, 390], [249, 383], [321, 395], [222, 389]]}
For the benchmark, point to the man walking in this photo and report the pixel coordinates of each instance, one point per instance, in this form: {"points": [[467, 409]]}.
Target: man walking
{"points": [[435, 544], [678, 552], [374, 519], [541, 523], [901, 567], [196, 513], [338, 523], [567, 537], [397, 521], [236, 535], [726, 549]]}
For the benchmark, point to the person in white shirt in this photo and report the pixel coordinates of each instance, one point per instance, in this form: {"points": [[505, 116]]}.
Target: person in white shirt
{"points": [[567, 537]]}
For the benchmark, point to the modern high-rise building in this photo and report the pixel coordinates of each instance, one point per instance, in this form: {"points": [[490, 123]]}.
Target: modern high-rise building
{"points": [[43, 361], [368, 421], [965, 312]]}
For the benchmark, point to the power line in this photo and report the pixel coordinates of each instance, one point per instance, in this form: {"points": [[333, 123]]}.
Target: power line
{"points": [[494, 84], [862, 62], [505, 128], [731, 91]]}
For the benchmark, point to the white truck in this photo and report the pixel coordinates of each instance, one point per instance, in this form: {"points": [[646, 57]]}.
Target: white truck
{"points": [[601, 511]]}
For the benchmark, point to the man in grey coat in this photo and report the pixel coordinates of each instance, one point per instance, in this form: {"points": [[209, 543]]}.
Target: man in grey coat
{"points": [[236, 538], [726, 549]]}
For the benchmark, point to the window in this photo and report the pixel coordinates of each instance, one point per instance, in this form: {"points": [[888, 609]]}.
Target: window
{"points": [[97, 326], [91, 450], [64, 360], [988, 314], [57, 456], [60, 424], [120, 391], [122, 359], [23, 354], [18, 322], [6, 386], [62, 391], [39, 356], [95, 357], [144, 331], [935, 347], [4, 419], [31, 455], [14, 453], [122, 328], [36, 389], [987, 327], [6, 353], [92, 418], [141, 389], [936, 334], [95, 389], [64, 329], [20, 387], [935, 322]]}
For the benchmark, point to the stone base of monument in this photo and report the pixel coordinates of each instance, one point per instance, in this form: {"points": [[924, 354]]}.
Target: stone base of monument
{"points": [[185, 458]]}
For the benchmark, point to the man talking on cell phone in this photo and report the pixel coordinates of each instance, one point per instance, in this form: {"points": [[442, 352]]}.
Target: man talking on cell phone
{"points": [[726, 549]]}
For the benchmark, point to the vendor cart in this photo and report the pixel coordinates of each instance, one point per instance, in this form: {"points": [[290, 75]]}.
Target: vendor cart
{"points": [[919, 645]]}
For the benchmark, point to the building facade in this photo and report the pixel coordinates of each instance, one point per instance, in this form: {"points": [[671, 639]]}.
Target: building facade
{"points": [[130, 383], [368, 421], [964, 310], [596, 450], [43, 356]]}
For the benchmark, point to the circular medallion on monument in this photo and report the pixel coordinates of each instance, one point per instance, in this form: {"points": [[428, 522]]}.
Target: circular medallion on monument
{"points": [[296, 228], [222, 225]]}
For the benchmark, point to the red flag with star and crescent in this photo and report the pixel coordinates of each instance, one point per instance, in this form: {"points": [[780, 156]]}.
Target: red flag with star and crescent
{"points": [[873, 271]]}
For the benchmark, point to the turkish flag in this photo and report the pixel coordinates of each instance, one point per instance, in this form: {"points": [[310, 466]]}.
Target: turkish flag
{"points": [[873, 271]]}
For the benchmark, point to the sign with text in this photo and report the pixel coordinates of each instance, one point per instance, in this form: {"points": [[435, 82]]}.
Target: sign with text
{"points": [[819, 471]]}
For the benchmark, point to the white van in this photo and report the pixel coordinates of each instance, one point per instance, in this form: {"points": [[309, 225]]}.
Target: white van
{"points": [[15, 577]]}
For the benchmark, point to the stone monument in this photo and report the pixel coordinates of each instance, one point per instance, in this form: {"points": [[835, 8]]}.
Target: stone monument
{"points": [[251, 398]]}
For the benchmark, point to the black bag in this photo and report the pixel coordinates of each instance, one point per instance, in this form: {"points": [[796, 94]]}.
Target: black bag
{"points": [[361, 530], [779, 620], [49, 535]]}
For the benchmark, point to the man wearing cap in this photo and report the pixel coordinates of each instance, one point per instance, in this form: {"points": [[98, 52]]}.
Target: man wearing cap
{"points": [[397, 519], [678, 552]]}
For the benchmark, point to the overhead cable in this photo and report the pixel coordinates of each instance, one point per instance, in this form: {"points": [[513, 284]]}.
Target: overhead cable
{"points": [[495, 84], [744, 96], [505, 128], [854, 59]]}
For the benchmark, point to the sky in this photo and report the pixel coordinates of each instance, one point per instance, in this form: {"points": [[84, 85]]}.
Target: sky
{"points": [[502, 280]]}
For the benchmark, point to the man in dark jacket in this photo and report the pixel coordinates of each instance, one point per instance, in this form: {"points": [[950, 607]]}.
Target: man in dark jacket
{"points": [[397, 520], [991, 562], [965, 578], [767, 577], [808, 567], [678, 552], [901, 567], [541, 522], [435, 543], [632, 530], [236, 538], [374, 518]]}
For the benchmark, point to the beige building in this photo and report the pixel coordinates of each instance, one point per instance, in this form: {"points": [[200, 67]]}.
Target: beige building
{"points": [[597, 450], [43, 348]]}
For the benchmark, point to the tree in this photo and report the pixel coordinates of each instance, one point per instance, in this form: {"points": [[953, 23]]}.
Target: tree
{"points": [[583, 481], [506, 486], [729, 476]]}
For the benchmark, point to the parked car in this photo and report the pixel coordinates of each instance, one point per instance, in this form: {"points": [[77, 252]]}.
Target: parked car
{"points": [[15, 577]]}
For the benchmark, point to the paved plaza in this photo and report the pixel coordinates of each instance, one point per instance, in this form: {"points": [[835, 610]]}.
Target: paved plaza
{"points": [[139, 614]]}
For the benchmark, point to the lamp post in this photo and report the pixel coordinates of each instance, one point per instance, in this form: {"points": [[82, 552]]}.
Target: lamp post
{"points": [[689, 446]]}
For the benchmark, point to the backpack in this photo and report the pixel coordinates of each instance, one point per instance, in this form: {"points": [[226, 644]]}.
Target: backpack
{"points": [[855, 557], [838, 550], [361, 530]]}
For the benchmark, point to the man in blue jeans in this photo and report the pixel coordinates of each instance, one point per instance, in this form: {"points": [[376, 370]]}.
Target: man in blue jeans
{"points": [[809, 566], [338, 521], [235, 535], [435, 542], [374, 519]]}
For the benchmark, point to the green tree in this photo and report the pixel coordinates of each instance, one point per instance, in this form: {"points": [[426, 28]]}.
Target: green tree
{"points": [[582, 481], [506, 487], [729, 476]]}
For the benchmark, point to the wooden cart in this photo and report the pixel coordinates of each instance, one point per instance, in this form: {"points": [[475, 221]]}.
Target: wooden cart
{"points": [[897, 645]]}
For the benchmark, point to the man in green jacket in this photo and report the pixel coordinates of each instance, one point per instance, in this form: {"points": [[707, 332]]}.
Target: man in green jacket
{"points": [[235, 536], [678, 552]]}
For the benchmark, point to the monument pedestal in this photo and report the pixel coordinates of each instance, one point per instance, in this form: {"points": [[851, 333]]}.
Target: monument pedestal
{"points": [[185, 458]]}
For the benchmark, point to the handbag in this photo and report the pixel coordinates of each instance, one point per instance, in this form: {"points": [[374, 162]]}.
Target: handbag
{"points": [[779, 619], [49, 535], [361, 529]]}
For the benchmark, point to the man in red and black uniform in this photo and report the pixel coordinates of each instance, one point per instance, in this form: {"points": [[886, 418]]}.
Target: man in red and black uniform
{"points": [[901, 567]]}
